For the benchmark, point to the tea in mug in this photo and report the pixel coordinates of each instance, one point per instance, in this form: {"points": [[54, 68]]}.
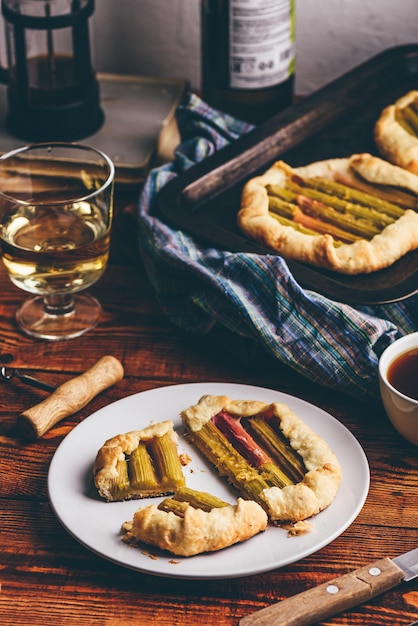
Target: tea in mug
{"points": [[402, 373]]}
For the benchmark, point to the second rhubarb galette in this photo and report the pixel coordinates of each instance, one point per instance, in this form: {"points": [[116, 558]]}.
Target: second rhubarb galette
{"points": [[396, 132], [352, 215]]}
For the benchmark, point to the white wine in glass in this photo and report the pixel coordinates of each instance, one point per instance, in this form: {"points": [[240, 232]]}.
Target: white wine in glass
{"points": [[56, 206]]}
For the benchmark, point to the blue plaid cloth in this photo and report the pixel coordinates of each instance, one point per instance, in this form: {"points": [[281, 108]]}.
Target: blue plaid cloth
{"points": [[255, 296]]}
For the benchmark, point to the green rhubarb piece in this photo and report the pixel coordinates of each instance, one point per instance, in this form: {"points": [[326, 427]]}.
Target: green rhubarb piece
{"points": [[163, 451], [278, 448], [357, 202], [141, 469], [410, 118], [173, 506], [199, 499], [121, 488]]}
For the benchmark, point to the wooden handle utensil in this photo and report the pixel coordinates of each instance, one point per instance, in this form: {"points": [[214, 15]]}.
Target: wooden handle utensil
{"points": [[69, 398]]}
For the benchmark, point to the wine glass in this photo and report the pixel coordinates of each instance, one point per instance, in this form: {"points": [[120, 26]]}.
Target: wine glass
{"points": [[56, 205]]}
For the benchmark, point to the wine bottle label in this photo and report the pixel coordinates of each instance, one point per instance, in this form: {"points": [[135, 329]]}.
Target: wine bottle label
{"points": [[261, 42]]}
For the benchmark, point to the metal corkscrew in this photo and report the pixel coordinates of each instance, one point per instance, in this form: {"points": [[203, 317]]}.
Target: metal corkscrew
{"points": [[8, 374]]}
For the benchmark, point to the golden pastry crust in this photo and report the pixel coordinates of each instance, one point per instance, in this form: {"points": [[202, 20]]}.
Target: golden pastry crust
{"points": [[394, 142], [362, 256], [293, 502], [198, 531], [116, 450]]}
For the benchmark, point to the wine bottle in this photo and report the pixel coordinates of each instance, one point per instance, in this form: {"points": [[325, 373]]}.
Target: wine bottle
{"points": [[248, 56]]}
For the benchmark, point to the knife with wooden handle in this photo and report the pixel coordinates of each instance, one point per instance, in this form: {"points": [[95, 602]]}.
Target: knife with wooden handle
{"points": [[339, 594]]}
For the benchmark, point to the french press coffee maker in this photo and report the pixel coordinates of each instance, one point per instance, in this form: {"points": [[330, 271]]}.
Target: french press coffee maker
{"points": [[52, 91]]}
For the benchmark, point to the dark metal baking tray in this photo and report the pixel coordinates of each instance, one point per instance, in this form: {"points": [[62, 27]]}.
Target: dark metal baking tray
{"points": [[336, 121]]}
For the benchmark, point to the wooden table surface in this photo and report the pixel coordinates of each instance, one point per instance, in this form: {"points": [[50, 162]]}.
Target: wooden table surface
{"points": [[49, 579]]}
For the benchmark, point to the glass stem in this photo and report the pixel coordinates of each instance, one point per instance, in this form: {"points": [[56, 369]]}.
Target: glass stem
{"points": [[58, 304]]}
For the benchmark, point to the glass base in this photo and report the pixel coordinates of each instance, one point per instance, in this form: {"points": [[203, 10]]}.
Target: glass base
{"points": [[79, 314]]}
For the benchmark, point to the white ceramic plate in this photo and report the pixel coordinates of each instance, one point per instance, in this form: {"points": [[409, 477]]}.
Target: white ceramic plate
{"points": [[96, 524]]}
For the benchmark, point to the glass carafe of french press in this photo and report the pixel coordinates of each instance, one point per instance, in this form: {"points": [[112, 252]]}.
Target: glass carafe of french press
{"points": [[52, 90]]}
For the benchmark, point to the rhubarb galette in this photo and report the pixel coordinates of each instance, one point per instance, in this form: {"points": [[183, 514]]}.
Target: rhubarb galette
{"points": [[396, 132], [352, 215], [139, 464], [193, 522], [267, 453]]}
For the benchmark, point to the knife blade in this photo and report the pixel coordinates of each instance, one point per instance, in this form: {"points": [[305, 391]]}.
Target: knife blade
{"points": [[341, 593]]}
